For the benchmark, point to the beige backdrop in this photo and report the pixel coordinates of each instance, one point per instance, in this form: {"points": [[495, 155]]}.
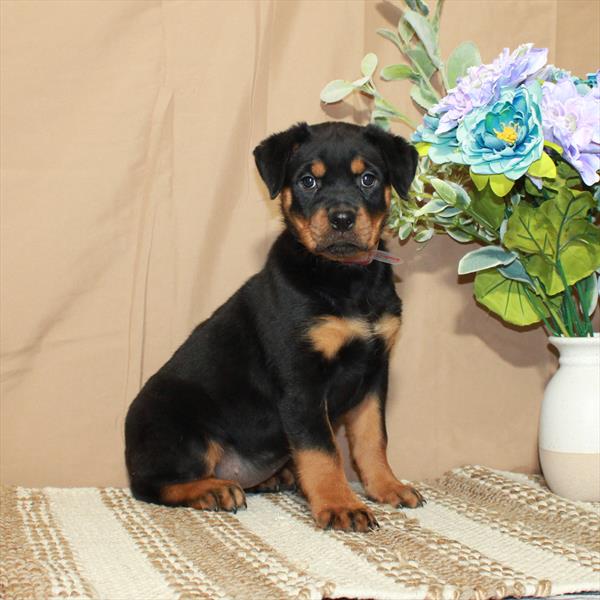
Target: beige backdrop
{"points": [[131, 209]]}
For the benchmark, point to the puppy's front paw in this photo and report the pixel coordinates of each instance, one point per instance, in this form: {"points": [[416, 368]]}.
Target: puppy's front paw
{"points": [[346, 518], [397, 494]]}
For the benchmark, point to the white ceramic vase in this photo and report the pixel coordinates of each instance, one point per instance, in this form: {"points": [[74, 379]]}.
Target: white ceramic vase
{"points": [[569, 437]]}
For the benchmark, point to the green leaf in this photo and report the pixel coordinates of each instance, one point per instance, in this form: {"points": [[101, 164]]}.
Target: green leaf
{"points": [[419, 58], [529, 231], [506, 297], [426, 33], [588, 293], [358, 83], [531, 189], [418, 5], [557, 232], [515, 270], [405, 31], [488, 207], [463, 200], [464, 56], [450, 212], [435, 21], [381, 121], [544, 167], [424, 235], [336, 90], [398, 72], [423, 96], [368, 64], [554, 146], [480, 181], [383, 106], [392, 36], [501, 184], [566, 171], [404, 231], [444, 190], [542, 267], [580, 256], [433, 206], [459, 236], [423, 148], [484, 258]]}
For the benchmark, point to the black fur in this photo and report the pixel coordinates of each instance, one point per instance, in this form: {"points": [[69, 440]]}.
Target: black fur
{"points": [[247, 377]]}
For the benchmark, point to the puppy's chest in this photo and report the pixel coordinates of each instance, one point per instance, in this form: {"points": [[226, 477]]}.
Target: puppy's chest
{"points": [[330, 335]]}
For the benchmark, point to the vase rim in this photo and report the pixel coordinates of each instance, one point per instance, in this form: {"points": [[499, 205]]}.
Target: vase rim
{"points": [[573, 340]]}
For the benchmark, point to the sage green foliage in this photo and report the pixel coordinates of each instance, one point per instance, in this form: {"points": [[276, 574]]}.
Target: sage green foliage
{"points": [[540, 255]]}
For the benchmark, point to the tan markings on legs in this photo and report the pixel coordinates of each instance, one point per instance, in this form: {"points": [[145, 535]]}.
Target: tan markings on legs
{"points": [[364, 428], [332, 502], [205, 494], [330, 333], [318, 168], [357, 166], [387, 327], [212, 456], [284, 479]]}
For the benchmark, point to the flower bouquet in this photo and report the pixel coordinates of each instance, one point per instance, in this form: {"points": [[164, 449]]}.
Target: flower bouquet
{"points": [[510, 153]]}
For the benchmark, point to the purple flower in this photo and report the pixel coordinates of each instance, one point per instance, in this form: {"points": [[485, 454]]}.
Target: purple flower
{"points": [[571, 120], [552, 73], [525, 62], [483, 83]]}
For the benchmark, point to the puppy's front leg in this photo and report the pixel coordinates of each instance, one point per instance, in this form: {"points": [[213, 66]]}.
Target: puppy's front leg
{"points": [[365, 428], [319, 466]]}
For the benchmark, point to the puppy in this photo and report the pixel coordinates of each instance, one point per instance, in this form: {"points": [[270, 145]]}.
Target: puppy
{"points": [[252, 398]]}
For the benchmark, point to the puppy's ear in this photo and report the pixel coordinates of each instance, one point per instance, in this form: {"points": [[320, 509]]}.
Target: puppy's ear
{"points": [[400, 157], [272, 155]]}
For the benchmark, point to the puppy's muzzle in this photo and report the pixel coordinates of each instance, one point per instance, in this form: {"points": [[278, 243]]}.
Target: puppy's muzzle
{"points": [[342, 219]]}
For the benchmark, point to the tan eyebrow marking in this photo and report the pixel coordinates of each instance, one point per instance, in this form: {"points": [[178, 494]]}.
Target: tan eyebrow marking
{"points": [[318, 168], [357, 166]]}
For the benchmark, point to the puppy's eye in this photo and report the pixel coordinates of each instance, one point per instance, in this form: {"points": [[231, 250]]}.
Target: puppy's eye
{"points": [[368, 180], [308, 182]]}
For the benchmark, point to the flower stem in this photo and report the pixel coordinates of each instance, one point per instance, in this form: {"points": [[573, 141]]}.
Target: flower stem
{"points": [[533, 300], [589, 329], [559, 322]]}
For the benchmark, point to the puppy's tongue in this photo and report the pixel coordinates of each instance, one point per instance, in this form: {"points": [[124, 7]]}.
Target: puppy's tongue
{"points": [[379, 255]]}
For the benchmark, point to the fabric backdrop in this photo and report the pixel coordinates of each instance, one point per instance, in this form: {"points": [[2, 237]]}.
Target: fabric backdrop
{"points": [[131, 209]]}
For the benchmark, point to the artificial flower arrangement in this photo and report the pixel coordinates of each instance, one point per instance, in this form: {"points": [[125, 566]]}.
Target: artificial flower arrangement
{"points": [[509, 157]]}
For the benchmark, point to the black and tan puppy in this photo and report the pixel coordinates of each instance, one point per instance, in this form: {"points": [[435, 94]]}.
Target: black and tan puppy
{"points": [[254, 395]]}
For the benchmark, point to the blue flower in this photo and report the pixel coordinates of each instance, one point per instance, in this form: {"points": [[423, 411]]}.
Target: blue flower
{"points": [[505, 137]]}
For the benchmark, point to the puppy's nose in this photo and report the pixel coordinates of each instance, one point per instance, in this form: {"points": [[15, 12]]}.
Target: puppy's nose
{"points": [[342, 220]]}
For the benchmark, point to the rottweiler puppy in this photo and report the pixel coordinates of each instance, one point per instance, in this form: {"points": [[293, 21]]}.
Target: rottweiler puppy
{"points": [[252, 398]]}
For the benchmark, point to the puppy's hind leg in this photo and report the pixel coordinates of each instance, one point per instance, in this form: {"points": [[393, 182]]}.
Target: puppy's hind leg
{"points": [[206, 493], [282, 481]]}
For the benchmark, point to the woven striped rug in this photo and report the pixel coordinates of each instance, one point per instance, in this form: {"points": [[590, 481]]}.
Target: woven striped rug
{"points": [[482, 534]]}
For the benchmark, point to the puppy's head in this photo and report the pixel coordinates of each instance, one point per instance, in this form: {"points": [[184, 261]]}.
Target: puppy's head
{"points": [[335, 183]]}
